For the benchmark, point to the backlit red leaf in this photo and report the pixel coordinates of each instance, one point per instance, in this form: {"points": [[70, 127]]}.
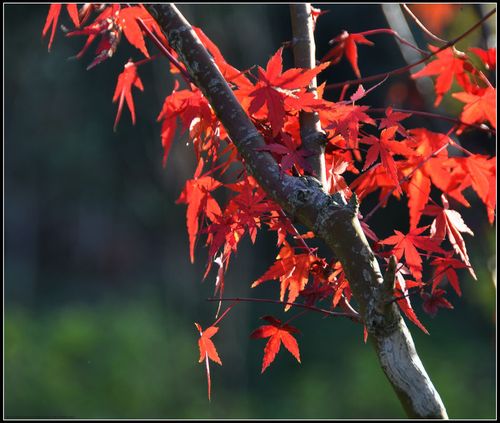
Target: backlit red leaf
{"points": [[346, 43], [404, 302], [445, 266], [446, 65], [278, 333], [385, 147], [292, 270], [208, 350], [197, 195], [274, 87], [126, 80], [406, 246], [449, 222], [434, 300], [479, 107], [127, 19], [488, 57]]}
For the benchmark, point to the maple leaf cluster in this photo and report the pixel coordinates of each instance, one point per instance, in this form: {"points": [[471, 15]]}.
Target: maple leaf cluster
{"points": [[451, 65], [376, 155]]}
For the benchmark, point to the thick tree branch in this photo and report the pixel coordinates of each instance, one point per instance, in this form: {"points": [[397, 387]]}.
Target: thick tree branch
{"points": [[304, 53], [303, 199]]}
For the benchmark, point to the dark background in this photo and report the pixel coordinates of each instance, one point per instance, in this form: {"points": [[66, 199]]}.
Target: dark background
{"points": [[100, 296]]}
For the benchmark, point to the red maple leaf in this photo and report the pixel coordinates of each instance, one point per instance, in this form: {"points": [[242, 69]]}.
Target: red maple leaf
{"points": [[110, 24], [195, 113], [375, 178], [292, 270], [447, 64], [479, 172], [427, 164], [482, 174], [53, 17], [249, 205], [445, 266], [404, 302], [406, 245], [278, 333], [345, 120], [290, 153], [274, 86], [105, 26], [346, 43], [488, 57], [243, 214], [322, 285], [126, 80], [385, 147], [196, 195], [392, 118], [208, 350], [450, 223], [434, 300], [127, 20], [335, 181], [479, 107]]}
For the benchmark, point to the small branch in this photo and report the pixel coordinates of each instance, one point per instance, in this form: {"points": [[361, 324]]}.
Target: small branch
{"points": [[441, 117], [421, 25], [297, 234], [350, 315], [412, 65], [394, 34], [304, 53]]}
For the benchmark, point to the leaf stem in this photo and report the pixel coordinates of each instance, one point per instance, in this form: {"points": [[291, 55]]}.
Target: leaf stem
{"points": [[225, 312], [350, 315]]}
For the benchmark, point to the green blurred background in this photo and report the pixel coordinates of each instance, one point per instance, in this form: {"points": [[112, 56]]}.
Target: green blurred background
{"points": [[100, 297]]}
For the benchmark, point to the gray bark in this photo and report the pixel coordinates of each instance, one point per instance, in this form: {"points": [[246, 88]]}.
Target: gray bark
{"points": [[304, 199], [304, 53]]}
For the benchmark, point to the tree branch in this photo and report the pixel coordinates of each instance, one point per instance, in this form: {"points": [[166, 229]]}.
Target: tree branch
{"points": [[303, 199], [304, 53]]}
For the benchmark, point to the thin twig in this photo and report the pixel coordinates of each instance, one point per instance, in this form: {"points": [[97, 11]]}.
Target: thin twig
{"points": [[441, 117], [422, 26], [351, 315], [396, 35]]}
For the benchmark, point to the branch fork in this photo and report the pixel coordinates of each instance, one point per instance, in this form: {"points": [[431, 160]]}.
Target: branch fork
{"points": [[304, 199]]}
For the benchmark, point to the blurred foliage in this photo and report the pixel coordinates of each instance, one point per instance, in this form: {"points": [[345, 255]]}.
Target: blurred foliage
{"points": [[134, 359], [100, 297]]}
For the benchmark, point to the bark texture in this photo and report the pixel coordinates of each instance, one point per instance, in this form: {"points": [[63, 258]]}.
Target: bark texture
{"points": [[336, 222], [304, 53]]}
